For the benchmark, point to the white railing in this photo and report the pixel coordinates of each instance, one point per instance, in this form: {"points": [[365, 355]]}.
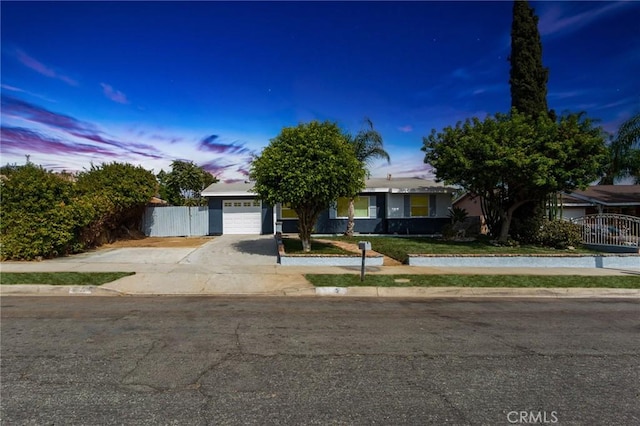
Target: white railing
{"points": [[610, 230]]}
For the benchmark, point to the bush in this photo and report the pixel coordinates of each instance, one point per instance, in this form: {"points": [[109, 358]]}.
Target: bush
{"points": [[38, 216], [559, 234], [45, 214]]}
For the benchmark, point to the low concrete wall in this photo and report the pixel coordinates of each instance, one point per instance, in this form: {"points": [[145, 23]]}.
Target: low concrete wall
{"points": [[621, 261], [328, 260]]}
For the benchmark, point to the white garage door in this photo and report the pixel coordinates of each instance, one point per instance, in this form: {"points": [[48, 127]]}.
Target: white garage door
{"points": [[241, 217]]}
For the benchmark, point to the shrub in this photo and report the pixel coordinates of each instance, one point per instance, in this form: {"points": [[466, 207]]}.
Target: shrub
{"points": [[38, 217], [559, 234], [45, 214]]}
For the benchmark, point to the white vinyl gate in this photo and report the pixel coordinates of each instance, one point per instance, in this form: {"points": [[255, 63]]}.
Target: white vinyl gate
{"points": [[614, 232], [176, 221]]}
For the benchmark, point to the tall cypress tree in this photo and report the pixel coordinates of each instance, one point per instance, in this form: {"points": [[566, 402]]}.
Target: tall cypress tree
{"points": [[527, 77], [528, 81]]}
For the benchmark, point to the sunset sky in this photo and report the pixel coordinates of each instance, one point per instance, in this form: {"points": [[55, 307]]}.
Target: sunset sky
{"points": [[212, 82]]}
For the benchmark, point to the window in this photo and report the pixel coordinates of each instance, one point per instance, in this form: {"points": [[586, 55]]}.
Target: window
{"points": [[419, 205], [287, 213], [361, 207], [227, 204]]}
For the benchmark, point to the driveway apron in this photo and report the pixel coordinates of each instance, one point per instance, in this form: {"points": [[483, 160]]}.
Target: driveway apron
{"points": [[236, 250]]}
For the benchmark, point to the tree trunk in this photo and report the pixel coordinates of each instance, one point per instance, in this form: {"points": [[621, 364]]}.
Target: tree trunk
{"points": [[306, 245], [304, 233], [506, 221], [351, 222], [504, 228], [306, 221]]}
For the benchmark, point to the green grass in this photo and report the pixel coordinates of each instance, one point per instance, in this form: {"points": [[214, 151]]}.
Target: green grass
{"points": [[400, 247], [61, 278], [294, 246], [510, 281]]}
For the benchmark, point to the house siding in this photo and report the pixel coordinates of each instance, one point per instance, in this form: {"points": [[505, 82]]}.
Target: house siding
{"points": [[267, 219], [215, 216], [418, 225], [380, 224]]}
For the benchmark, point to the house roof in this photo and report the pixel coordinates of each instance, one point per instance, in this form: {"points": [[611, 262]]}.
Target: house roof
{"points": [[406, 185], [393, 185], [228, 189], [606, 195]]}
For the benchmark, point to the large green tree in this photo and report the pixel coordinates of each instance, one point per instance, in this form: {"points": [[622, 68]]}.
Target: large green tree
{"points": [[368, 147], [527, 77], [307, 167], [183, 185], [510, 159], [624, 153]]}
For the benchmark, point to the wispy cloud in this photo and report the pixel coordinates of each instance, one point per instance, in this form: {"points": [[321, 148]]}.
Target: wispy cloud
{"points": [[217, 167], [35, 65], [210, 144], [114, 95], [26, 92], [406, 129], [559, 18], [14, 107], [20, 140]]}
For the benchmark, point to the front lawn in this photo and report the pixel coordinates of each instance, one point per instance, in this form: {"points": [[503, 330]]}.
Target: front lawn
{"points": [[400, 247], [511, 281], [294, 246], [61, 278]]}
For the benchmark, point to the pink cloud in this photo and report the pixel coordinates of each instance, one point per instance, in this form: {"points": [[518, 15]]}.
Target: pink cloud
{"points": [[406, 129], [41, 68], [20, 140], [114, 95]]}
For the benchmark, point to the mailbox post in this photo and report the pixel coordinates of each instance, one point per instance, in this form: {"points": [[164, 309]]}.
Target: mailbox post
{"points": [[364, 246]]}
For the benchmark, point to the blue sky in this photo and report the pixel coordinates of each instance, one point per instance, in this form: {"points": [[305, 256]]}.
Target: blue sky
{"points": [[212, 82]]}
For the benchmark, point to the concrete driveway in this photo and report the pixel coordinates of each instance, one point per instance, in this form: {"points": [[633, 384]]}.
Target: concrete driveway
{"points": [[225, 250], [249, 250]]}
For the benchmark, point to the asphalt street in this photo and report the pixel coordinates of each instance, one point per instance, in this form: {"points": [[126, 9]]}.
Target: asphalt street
{"points": [[318, 361]]}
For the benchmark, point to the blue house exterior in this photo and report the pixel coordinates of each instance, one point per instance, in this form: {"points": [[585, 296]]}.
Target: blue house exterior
{"points": [[386, 206]]}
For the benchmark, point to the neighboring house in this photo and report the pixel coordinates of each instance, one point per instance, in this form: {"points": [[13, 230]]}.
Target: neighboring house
{"points": [[621, 199], [471, 203], [385, 206]]}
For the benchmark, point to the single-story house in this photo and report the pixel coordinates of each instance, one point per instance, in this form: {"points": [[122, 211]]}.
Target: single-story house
{"points": [[620, 199], [385, 206]]}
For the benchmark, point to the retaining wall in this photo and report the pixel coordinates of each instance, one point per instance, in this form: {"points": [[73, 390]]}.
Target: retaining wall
{"points": [[613, 261]]}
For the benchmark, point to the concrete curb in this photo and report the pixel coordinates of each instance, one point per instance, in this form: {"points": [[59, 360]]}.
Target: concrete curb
{"points": [[56, 290], [367, 292], [438, 292]]}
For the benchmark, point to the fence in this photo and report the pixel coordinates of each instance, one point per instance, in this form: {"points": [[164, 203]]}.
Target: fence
{"points": [[175, 221], [610, 230]]}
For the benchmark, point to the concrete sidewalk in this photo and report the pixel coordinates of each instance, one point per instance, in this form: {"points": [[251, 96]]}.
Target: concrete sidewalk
{"points": [[277, 280], [247, 265]]}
